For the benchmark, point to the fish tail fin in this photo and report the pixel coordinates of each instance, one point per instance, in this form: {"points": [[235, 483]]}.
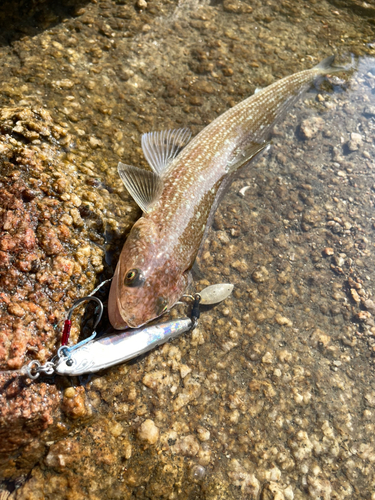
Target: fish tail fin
{"points": [[326, 66]]}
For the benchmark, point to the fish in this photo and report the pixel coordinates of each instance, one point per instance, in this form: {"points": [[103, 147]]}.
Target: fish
{"points": [[180, 194], [113, 349]]}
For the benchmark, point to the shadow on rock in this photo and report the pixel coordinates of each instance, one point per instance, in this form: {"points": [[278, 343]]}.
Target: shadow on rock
{"points": [[24, 17]]}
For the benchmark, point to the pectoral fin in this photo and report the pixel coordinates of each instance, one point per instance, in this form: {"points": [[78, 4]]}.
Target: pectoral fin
{"points": [[245, 155], [160, 148], [144, 186]]}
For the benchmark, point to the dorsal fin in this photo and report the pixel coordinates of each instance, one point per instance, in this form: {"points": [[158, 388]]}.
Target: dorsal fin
{"points": [[160, 148], [143, 185]]}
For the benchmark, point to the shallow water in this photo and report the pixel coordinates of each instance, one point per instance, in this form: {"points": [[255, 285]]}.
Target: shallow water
{"points": [[273, 396]]}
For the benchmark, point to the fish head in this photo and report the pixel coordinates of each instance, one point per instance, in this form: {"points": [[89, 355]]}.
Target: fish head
{"points": [[148, 280]]}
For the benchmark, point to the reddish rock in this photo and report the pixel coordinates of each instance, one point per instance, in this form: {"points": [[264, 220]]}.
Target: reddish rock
{"points": [[40, 276], [26, 409]]}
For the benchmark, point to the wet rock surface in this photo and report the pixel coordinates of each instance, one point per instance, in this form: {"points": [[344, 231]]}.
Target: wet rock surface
{"points": [[21, 17], [46, 250], [51, 251], [272, 397]]}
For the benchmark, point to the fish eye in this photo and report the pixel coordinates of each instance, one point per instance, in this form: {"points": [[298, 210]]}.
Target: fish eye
{"points": [[69, 362], [134, 277]]}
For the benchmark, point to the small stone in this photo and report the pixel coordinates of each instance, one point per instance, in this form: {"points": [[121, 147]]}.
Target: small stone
{"points": [[64, 84], [148, 432], [227, 71], [75, 200], [70, 392], [188, 446], [236, 6], [195, 100], [283, 321], [127, 450], [184, 370], [339, 260], [66, 219], [74, 403], [116, 429], [363, 316], [369, 111], [203, 434], [310, 127], [260, 275], [142, 4], [355, 295], [267, 358], [328, 251], [355, 141], [240, 266], [370, 305], [16, 310], [320, 338], [232, 6], [95, 142]]}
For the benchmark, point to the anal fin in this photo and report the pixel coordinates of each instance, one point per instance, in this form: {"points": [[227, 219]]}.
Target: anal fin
{"points": [[245, 155]]}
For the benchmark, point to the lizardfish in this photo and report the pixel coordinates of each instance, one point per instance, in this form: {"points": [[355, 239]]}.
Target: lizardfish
{"points": [[111, 350], [179, 194]]}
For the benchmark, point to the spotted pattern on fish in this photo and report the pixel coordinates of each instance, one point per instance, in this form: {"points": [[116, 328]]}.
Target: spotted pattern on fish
{"points": [[205, 159], [165, 241]]}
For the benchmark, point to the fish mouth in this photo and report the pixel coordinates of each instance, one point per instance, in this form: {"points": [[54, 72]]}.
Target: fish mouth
{"points": [[116, 314], [117, 322], [114, 308]]}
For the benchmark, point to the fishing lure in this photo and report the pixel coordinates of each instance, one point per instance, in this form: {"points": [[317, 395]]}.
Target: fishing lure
{"points": [[117, 348], [94, 354]]}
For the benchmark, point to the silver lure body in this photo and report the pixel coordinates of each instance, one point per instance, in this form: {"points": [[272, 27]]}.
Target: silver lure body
{"points": [[119, 347]]}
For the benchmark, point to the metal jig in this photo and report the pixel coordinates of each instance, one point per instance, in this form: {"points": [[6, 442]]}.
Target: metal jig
{"points": [[208, 296], [34, 368]]}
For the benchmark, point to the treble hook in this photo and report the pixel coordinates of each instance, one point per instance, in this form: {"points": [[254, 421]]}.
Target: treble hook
{"points": [[68, 321]]}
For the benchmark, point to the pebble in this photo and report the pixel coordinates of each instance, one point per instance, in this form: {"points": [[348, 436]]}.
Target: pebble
{"points": [[283, 321], [16, 310], [149, 432], [236, 6], [65, 84], [355, 295], [355, 142], [95, 142], [187, 446], [310, 127], [115, 429], [203, 434], [370, 305], [184, 370], [260, 275], [369, 110]]}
